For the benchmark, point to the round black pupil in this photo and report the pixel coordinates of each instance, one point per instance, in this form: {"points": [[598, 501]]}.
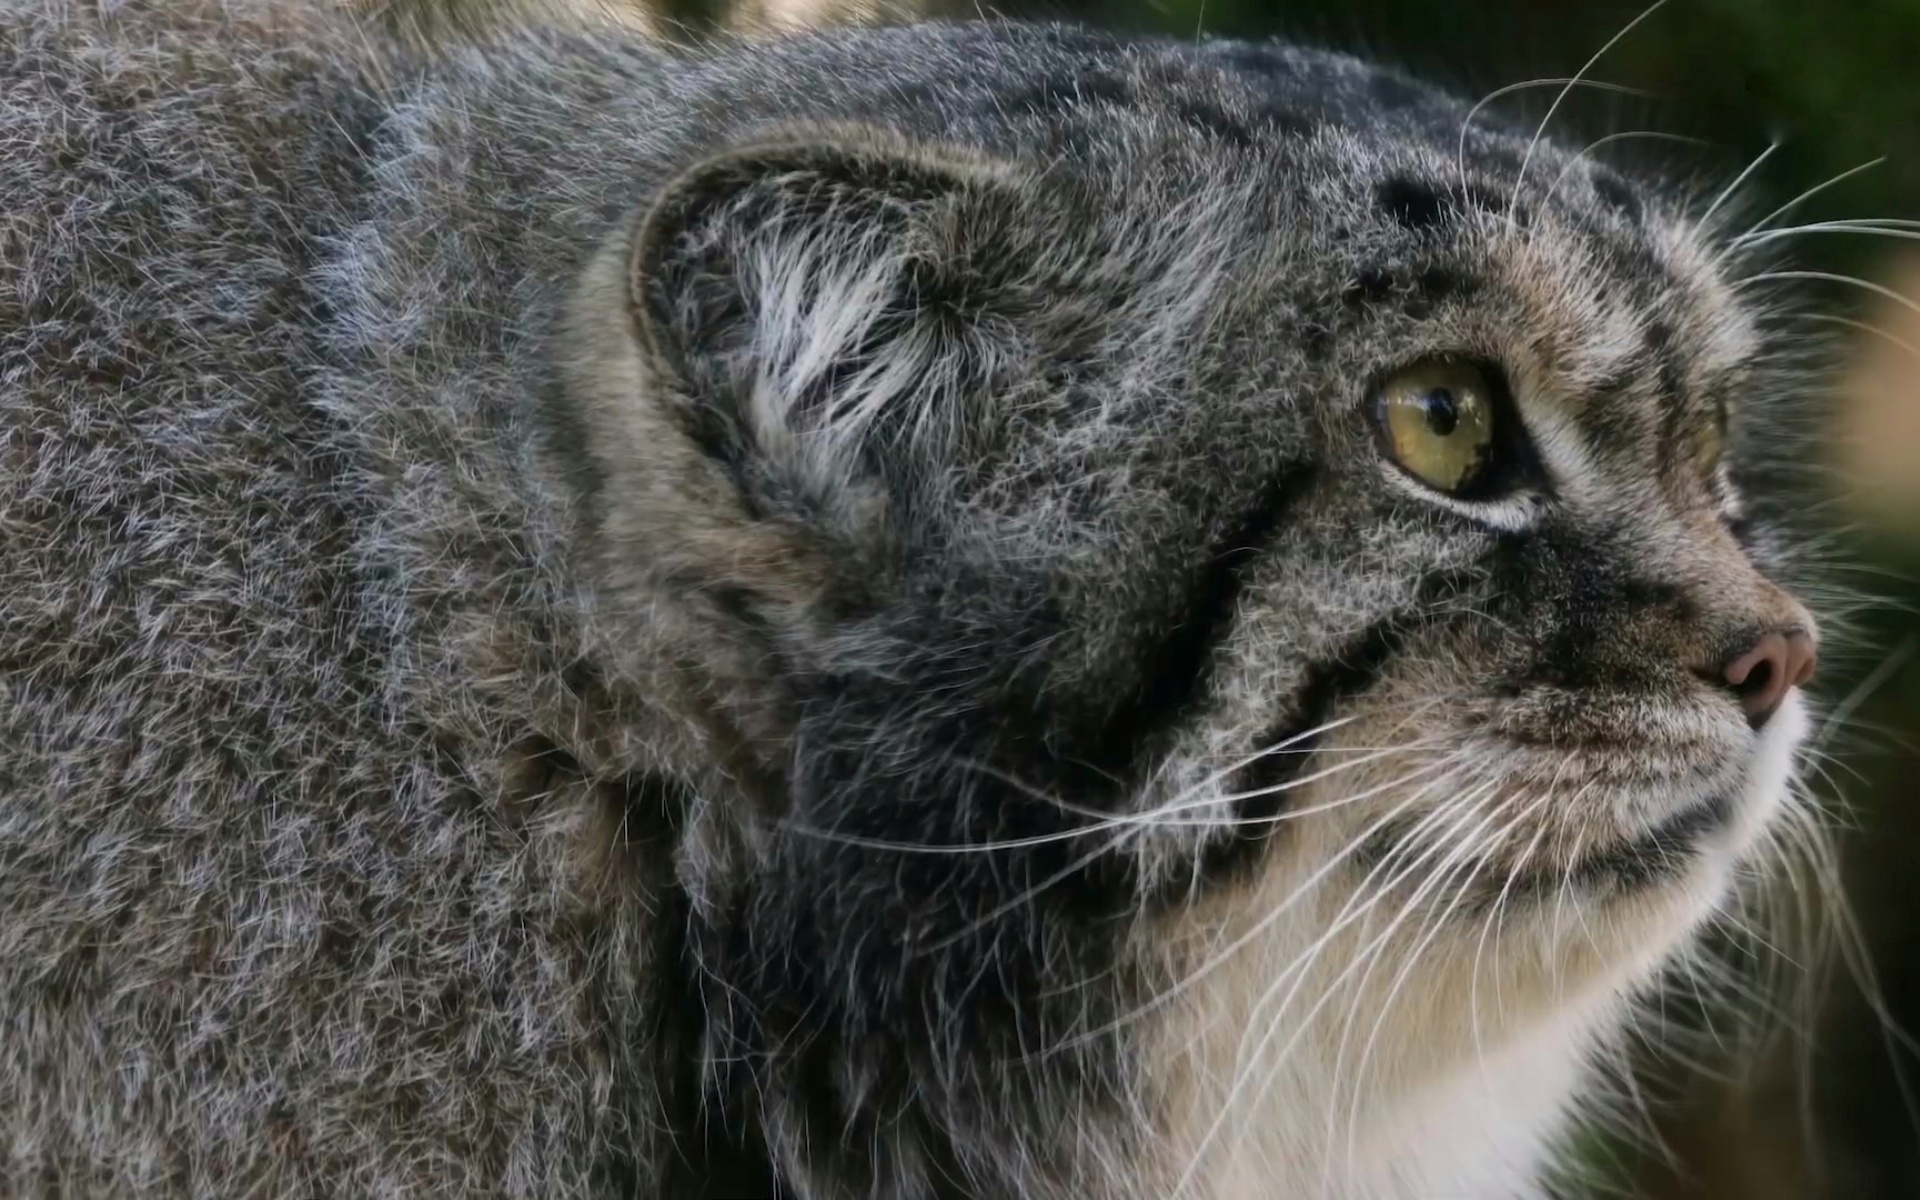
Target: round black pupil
{"points": [[1443, 413]]}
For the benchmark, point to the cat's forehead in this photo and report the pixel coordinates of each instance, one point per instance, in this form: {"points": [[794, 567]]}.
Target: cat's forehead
{"points": [[1596, 281], [1329, 165], [1602, 287], [1571, 249]]}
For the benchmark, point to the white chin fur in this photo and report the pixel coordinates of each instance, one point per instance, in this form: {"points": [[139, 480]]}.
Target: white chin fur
{"points": [[1452, 1106], [1769, 776]]}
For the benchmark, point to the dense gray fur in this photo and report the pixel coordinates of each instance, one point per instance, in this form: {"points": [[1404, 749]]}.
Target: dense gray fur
{"points": [[429, 767]]}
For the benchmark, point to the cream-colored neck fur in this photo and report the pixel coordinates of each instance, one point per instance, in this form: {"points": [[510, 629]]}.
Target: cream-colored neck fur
{"points": [[1407, 1059]]}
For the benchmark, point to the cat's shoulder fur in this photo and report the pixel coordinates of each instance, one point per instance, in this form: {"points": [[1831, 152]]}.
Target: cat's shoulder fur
{"points": [[298, 900]]}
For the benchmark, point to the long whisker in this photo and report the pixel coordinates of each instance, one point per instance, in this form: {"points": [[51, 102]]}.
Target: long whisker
{"points": [[1284, 746], [1298, 971], [1809, 194], [1104, 821], [1495, 923], [1707, 217], [1837, 223], [1466, 125], [1184, 801], [1649, 134], [1864, 327], [1805, 838], [1896, 232], [1294, 814], [1112, 822], [1878, 678], [1364, 958], [1858, 957], [1473, 864], [1024, 897], [1519, 179], [1220, 957], [1877, 289], [1460, 878], [1564, 888]]}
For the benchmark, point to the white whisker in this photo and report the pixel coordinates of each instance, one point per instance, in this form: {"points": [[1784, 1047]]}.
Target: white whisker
{"points": [[1520, 178], [1651, 135], [1877, 289], [1809, 194], [1706, 218], [1466, 124], [1747, 241], [1473, 863], [1214, 961], [1297, 971]]}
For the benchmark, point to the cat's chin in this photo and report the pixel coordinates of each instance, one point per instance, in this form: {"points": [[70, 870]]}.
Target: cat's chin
{"points": [[1610, 923], [1464, 1010], [1701, 837]]}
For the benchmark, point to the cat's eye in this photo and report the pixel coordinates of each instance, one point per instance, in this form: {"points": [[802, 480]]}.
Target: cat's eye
{"points": [[1437, 421]]}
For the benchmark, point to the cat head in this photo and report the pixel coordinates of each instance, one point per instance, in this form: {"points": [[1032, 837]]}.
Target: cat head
{"points": [[1230, 593]]}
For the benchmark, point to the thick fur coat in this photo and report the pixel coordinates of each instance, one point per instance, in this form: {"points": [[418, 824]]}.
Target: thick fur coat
{"points": [[574, 621]]}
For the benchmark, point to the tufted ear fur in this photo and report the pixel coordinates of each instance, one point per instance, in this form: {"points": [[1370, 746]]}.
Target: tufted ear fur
{"points": [[774, 362], [809, 306]]}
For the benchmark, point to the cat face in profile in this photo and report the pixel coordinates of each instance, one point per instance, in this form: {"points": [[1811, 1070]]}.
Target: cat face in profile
{"points": [[1233, 599], [956, 613]]}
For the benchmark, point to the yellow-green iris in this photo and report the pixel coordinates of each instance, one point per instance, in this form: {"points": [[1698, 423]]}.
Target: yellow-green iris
{"points": [[1438, 418]]}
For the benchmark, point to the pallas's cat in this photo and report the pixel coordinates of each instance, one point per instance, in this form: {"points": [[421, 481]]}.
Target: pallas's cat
{"points": [[961, 611]]}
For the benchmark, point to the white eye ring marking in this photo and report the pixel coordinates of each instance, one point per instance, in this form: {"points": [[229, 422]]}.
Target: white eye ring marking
{"points": [[1512, 512]]}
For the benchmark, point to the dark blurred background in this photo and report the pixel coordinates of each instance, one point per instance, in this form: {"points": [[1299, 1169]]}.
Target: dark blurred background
{"points": [[1819, 1110]]}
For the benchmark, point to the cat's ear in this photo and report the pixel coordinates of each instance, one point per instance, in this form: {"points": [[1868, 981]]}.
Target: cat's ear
{"points": [[807, 305], [765, 367]]}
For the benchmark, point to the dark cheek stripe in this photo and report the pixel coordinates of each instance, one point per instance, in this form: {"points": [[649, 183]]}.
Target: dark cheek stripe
{"points": [[1354, 670], [1657, 858], [1178, 666]]}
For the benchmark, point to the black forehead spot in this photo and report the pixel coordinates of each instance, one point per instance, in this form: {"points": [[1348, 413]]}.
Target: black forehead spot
{"points": [[1482, 198], [1414, 203], [1371, 286], [1432, 286], [1419, 293], [1437, 283], [1618, 195]]}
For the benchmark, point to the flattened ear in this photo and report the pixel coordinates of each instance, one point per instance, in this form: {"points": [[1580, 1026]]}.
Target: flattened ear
{"points": [[805, 305]]}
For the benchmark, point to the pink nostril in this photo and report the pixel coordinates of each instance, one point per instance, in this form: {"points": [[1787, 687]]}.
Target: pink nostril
{"points": [[1807, 660], [1762, 677]]}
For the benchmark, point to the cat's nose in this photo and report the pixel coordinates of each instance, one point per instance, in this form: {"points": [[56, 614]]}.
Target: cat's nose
{"points": [[1763, 674]]}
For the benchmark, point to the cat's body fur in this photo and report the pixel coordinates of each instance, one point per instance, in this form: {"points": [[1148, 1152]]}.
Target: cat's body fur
{"points": [[432, 720]]}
